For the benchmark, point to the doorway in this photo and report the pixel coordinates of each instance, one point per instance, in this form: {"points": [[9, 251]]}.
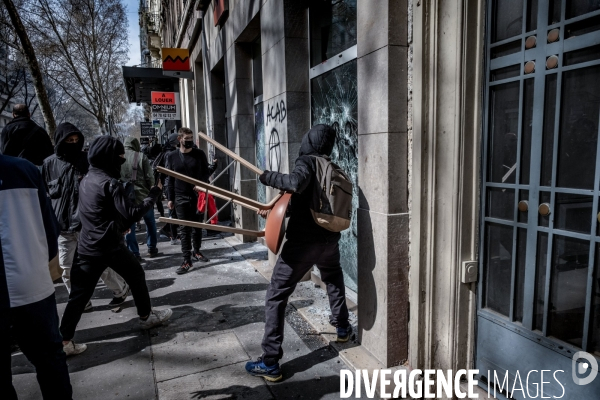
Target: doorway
{"points": [[539, 292]]}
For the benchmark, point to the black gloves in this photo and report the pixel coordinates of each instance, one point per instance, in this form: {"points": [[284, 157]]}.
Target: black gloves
{"points": [[263, 178]]}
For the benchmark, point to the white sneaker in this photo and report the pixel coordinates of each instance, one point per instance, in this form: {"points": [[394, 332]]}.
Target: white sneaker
{"points": [[175, 242], [156, 318], [72, 348]]}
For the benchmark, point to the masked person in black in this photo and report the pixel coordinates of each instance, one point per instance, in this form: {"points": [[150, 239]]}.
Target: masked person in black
{"points": [[183, 196], [307, 244], [62, 173], [106, 213], [169, 230]]}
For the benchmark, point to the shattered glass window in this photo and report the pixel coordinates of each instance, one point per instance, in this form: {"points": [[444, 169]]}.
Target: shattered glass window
{"points": [[332, 28], [259, 131], [334, 102]]}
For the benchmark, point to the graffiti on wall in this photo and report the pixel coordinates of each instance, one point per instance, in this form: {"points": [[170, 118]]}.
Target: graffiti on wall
{"points": [[276, 113], [334, 101]]}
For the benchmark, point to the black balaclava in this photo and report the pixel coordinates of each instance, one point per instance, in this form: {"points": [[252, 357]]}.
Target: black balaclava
{"points": [[69, 152], [105, 154]]}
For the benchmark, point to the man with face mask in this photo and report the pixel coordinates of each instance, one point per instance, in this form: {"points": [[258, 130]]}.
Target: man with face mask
{"points": [[183, 196], [106, 213], [62, 173]]}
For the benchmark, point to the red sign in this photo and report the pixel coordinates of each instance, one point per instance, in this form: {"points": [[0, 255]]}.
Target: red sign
{"points": [[175, 59], [163, 98]]}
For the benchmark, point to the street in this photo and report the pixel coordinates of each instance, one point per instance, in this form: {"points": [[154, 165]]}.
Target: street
{"points": [[216, 327]]}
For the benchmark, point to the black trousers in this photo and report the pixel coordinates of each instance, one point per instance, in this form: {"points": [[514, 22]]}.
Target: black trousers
{"points": [[35, 327], [295, 261], [186, 207], [84, 276]]}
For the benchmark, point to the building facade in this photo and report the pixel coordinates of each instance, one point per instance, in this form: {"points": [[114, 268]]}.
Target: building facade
{"points": [[470, 130]]}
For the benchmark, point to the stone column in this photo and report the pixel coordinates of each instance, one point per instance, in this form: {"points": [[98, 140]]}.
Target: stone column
{"points": [[383, 217], [240, 130], [285, 62]]}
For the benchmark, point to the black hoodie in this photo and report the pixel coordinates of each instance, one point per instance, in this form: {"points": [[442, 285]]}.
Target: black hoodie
{"points": [[62, 173], [104, 209], [23, 138], [302, 227]]}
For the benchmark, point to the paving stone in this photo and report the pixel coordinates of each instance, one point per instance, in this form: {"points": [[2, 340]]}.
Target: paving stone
{"points": [[230, 382], [191, 352]]}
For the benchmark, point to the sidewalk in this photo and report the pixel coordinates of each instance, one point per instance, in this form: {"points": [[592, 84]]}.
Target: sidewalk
{"points": [[216, 327]]}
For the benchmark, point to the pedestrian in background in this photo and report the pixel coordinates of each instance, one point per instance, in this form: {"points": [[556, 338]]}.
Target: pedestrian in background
{"points": [[169, 230], [138, 171], [183, 197], [62, 173], [28, 240], [23, 138], [106, 213]]}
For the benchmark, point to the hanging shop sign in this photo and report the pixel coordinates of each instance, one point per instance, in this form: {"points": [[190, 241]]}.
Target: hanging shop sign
{"points": [[176, 63], [165, 105], [147, 129], [175, 59]]}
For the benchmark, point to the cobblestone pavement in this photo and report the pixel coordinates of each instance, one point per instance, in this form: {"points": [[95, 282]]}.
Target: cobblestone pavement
{"points": [[216, 327]]}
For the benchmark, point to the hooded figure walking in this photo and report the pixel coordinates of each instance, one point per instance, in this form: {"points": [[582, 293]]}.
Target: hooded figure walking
{"points": [[307, 244], [106, 213], [62, 173]]}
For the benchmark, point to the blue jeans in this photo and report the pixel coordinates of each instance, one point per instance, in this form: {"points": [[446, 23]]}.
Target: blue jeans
{"points": [[35, 327], [151, 239]]}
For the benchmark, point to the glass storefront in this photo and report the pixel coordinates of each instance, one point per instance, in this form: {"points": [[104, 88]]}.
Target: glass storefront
{"points": [[334, 102]]}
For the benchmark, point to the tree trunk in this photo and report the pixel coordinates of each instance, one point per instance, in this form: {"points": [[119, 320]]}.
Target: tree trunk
{"points": [[34, 68]]}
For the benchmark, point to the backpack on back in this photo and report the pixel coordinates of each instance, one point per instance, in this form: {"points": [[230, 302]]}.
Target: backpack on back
{"points": [[331, 205]]}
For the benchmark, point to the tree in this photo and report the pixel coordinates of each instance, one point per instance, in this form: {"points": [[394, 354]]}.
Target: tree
{"points": [[34, 67], [86, 42]]}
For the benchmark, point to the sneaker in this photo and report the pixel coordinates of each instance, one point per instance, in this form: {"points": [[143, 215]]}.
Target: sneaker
{"points": [[139, 258], [156, 318], [117, 301], [88, 306], [175, 242], [199, 256], [258, 368], [185, 268], [343, 334], [72, 348], [152, 253]]}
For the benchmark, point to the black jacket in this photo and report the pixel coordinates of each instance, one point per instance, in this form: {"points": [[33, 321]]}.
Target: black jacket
{"points": [[23, 138], [104, 209], [302, 226], [62, 173], [195, 165]]}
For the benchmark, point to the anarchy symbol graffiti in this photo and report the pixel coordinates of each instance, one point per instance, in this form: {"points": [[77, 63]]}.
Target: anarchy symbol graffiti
{"points": [[274, 151]]}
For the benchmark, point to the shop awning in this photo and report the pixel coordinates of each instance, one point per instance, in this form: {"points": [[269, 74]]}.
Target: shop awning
{"points": [[139, 82]]}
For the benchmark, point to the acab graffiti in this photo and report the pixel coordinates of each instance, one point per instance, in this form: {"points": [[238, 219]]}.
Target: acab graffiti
{"points": [[276, 112]]}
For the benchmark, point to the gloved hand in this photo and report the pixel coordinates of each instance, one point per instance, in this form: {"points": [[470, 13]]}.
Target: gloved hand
{"points": [[263, 178]]}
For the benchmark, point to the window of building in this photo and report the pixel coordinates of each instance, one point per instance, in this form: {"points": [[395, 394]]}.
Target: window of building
{"points": [[332, 28], [334, 95]]}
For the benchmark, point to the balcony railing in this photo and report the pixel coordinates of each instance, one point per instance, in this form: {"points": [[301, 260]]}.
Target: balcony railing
{"points": [[150, 64]]}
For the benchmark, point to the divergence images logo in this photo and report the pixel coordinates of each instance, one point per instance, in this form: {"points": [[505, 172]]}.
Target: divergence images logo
{"points": [[581, 368]]}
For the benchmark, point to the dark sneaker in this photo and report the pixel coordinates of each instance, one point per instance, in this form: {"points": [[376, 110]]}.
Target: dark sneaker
{"points": [[343, 334], [88, 307], [185, 268], [258, 368], [199, 257], [139, 258], [152, 253], [117, 301]]}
